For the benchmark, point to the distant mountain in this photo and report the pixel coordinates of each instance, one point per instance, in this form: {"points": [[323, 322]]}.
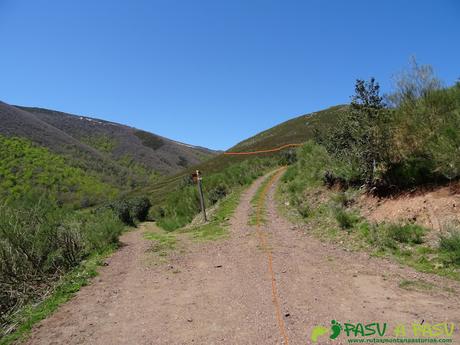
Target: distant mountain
{"points": [[99, 144]]}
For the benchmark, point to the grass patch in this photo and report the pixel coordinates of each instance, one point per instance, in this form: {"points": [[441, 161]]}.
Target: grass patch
{"points": [[389, 235], [209, 232], [416, 285], [258, 212], [449, 246], [65, 289], [347, 220], [164, 242], [216, 228]]}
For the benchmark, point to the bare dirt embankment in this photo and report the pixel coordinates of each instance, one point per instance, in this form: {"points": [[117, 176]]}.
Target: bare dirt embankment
{"points": [[434, 208], [221, 292]]}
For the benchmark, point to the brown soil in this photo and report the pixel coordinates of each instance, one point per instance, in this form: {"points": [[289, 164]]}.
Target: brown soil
{"points": [[221, 292], [435, 208]]}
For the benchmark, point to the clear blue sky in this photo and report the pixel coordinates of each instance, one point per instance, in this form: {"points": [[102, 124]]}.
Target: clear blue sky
{"points": [[214, 72]]}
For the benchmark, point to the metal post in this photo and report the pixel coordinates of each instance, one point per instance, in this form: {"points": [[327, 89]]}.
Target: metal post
{"points": [[200, 191]]}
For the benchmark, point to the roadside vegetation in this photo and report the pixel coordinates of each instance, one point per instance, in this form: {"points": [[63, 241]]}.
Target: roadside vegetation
{"points": [[47, 252], [55, 219], [20, 322], [402, 140], [182, 204], [218, 223], [382, 146]]}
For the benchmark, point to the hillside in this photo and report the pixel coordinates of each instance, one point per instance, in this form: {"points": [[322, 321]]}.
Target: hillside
{"points": [[125, 143], [27, 170], [297, 130], [80, 160], [99, 140]]}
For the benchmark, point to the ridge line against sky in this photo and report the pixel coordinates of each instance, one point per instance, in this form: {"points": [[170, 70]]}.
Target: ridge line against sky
{"points": [[212, 73]]}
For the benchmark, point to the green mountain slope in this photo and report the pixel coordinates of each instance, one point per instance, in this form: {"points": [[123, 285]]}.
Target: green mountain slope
{"points": [[296, 130], [26, 169]]}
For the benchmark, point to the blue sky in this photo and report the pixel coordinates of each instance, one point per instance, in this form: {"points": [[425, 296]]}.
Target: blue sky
{"points": [[214, 72]]}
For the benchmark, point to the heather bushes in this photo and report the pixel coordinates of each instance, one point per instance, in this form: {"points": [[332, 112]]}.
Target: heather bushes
{"points": [[40, 241], [130, 210]]}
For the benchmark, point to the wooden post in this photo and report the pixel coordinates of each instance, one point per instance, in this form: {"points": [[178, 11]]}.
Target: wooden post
{"points": [[200, 191]]}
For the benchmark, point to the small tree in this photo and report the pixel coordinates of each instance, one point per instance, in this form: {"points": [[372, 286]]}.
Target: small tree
{"points": [[362, 133]]}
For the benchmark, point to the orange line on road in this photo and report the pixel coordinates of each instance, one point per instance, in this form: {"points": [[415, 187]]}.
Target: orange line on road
{"points": [[271, 272], [263, 151]]}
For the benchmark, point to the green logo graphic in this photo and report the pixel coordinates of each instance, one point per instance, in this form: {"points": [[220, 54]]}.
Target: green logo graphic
{"points": [[335, 329], [375, 331], [318, 331]]}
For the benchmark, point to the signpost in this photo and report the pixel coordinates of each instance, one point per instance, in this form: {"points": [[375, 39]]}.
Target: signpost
{"points": [[197, 179]]}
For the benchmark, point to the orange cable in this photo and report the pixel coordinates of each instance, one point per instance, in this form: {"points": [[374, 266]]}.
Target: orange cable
{"points": [[262, 151]]}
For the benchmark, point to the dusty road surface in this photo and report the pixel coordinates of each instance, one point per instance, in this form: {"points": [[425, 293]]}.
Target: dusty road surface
{"points": [[224, 292]]}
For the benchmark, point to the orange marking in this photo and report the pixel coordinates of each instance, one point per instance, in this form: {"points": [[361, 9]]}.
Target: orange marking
{"points": [[263, 243], [263, 151]]}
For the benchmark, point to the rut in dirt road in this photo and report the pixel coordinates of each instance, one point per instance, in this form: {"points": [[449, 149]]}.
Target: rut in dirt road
{"points": [[221, 292]]}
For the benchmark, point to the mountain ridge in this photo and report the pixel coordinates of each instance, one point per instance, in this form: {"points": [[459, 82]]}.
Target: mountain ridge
{"points": [[123, 144]]}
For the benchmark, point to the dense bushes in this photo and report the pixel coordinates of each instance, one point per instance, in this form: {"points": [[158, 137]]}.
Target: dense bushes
{"points": [[39, 242], [183, 203], [140, 208], [415, 140], [130, 210]]}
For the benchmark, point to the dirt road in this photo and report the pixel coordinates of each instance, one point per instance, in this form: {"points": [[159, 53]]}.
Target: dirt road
{"points": [[221, 292]]}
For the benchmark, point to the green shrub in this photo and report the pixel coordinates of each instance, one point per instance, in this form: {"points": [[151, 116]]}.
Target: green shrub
{"points": [[122, 210], [377, 235], [217, 193], [288, 157], [361, 136], [449, 245], [389, 236], [346, 219], [304, 210], [411, 172], [130, 210], [407, 233], [140, 208], [156, 212], [99, 229]]}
